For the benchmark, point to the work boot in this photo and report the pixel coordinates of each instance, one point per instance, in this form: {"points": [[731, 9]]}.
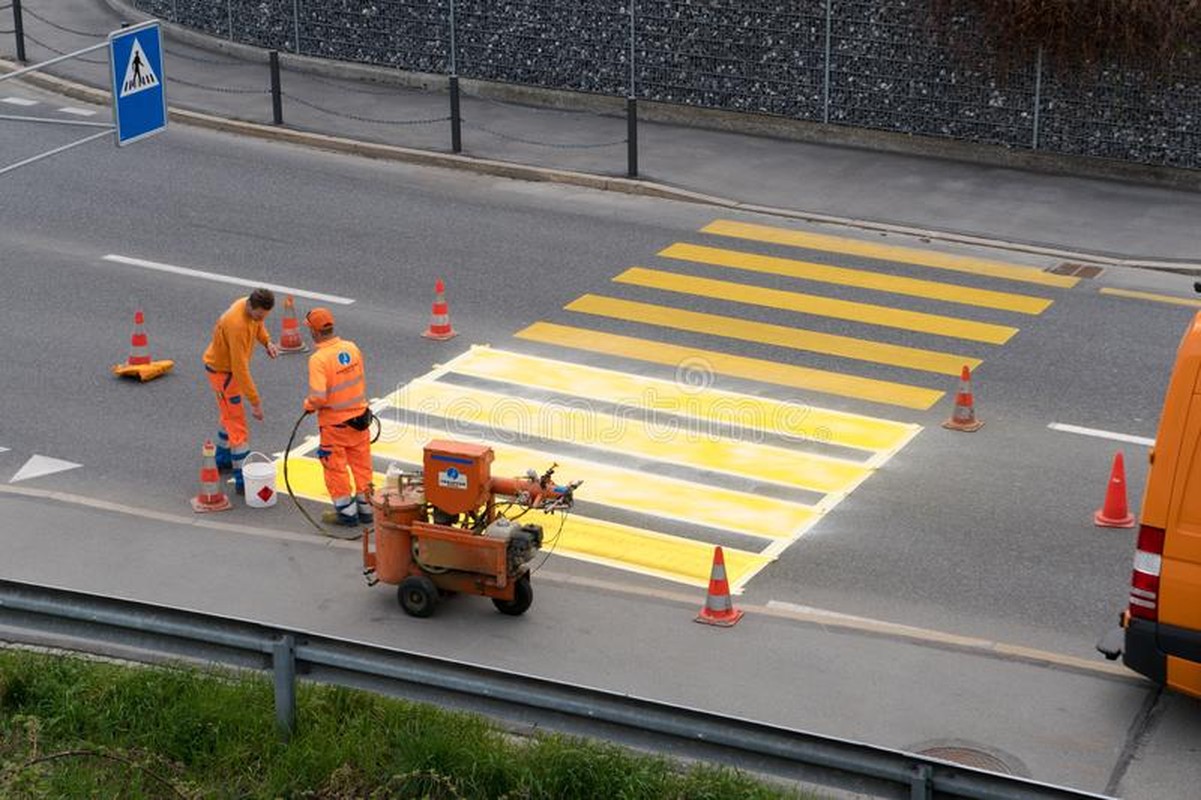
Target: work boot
{"points": [[331, 517], [366, 515], [240, 488]]}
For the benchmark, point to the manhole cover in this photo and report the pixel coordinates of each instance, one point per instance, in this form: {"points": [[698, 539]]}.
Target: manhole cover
{"points": [[968, 757], [1075, 270]]}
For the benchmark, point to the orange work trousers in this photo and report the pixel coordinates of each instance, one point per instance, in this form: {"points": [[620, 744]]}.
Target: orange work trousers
{"points": [[342, 447], [232, 408]]}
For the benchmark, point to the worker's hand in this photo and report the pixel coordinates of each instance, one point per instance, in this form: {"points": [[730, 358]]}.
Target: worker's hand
{"points": [[272, 349], [308, 407], [256, 411]]}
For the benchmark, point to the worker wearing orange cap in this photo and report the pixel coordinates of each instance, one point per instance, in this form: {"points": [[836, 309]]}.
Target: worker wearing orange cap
{"points": [[338, 393], [227, 364]]}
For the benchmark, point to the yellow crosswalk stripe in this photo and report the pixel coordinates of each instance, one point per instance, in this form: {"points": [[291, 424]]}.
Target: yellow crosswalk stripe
{"points": [[714, 406], [650, 553], [863, 279], [778, 335], [643, 551], [1158, 298], [658, 440], [885, 252], [818, 305], [625, 489], [752, 369]]}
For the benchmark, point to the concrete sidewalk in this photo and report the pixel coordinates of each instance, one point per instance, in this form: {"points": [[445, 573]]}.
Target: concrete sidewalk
{"points": [[371, 113]]}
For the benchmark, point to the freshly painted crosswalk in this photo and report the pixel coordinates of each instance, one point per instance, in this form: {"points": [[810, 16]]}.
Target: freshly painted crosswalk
{"points": [[673, 467]]}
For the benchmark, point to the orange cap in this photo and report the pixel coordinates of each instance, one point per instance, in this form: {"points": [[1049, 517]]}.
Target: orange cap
{"points": [[319, 319]]}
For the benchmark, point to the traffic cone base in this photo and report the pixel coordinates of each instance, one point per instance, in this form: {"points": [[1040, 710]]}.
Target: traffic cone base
{"points": [[144, 372], [964, 417], [719, 608], [440, 328], [290, 340], [1115, 513]]}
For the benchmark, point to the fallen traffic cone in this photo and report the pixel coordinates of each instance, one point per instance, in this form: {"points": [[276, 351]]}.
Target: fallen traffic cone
{"points": [[211, 498], [719, 608], [139, 365], [964, 417], [439, 316], [1115, 514], [290, 340]]}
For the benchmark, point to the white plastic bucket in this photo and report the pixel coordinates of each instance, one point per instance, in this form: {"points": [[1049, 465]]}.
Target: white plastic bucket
{"points": [[259, 478]]}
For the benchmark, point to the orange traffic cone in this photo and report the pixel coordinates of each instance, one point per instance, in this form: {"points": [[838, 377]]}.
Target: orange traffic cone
{"points": [[211, 498], [1115, 514], [719, 608], [964, 417], [290, 340], [439, 316], [139, 364]]}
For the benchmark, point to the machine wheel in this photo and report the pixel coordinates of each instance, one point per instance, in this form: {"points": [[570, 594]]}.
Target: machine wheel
{"points": [[417, 596], [523, 595]]}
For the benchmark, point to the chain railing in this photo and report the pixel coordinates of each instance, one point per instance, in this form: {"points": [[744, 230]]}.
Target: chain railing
{"points": [[861, 63]]}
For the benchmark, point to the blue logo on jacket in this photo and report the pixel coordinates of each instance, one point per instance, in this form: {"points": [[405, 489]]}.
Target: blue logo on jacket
{"points": [[344, 358]]}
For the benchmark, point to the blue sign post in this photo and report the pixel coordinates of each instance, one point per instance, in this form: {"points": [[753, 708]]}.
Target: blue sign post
{"points": [[135, 57]]}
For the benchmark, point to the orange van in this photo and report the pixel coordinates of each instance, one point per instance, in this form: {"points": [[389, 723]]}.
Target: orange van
{"points": [[1160, 634]]}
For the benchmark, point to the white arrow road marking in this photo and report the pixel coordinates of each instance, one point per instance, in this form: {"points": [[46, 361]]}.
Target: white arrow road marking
{"points": [[1117, 437], [39, 466], [213, 276], [18, 101]]}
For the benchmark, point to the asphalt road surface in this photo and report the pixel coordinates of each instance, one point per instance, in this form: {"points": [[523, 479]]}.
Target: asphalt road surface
{"points": [[985, 535]]}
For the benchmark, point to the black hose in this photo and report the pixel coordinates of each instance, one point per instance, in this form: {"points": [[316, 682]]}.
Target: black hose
{"points": [[287, 483]]}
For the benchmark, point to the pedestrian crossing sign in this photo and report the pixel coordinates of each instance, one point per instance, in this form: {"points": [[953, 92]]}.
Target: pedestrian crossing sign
{"points": [[136, 65]]}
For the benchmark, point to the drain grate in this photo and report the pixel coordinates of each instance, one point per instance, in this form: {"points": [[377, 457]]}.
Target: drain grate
{"points": [[968, 757], [1075, 270]]}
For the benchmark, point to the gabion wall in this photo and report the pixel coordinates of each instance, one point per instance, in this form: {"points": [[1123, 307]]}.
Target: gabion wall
{"points": [[865, 63]]}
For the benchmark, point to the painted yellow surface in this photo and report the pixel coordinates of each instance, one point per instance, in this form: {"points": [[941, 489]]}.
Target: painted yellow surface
{"points": [[886, 252], [671, 557], [679, 398], [778, 335], [307, 478], [1158, 298], [862, 279], [658, 440], [624, 489], [817, 305], [751, 369], [643, 551]]}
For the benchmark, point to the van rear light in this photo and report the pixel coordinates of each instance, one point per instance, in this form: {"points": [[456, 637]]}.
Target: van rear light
{"points": [[1144, 580]]}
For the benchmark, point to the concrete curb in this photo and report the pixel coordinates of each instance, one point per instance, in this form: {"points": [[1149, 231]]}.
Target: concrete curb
{"points": [[512, 170]]}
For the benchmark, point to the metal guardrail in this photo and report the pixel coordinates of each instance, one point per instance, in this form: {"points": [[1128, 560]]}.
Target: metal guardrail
{"points": [[30, 613]]}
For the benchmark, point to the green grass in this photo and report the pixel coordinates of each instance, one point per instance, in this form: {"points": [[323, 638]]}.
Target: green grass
{"points": [[72, 727]]}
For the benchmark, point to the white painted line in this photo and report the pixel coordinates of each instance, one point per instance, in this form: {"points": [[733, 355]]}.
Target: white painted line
{"points": [[3, 449], [213, 276], [1117, 437], [39, 466], [18, 101], [79, 112]]}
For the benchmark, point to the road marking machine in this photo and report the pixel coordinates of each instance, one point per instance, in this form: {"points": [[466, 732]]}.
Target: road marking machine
{"points": [[454, 528]]}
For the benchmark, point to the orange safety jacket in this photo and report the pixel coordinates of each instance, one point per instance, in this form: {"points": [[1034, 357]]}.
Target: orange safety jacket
{"points": [[232, 346], [337, 386]]}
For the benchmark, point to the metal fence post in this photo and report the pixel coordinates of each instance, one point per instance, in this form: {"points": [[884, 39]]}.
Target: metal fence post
{"points": [[826, 80], [456, 119], [1038, 95], [921, 786], [19, 31], [632, 109], [174, 11], [296, 25], [277, 98], [283, 667], [229, 15]]}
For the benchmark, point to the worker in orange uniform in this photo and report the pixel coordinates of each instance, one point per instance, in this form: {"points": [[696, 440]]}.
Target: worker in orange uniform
{"points": [[338, 393], [227, 364]]}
